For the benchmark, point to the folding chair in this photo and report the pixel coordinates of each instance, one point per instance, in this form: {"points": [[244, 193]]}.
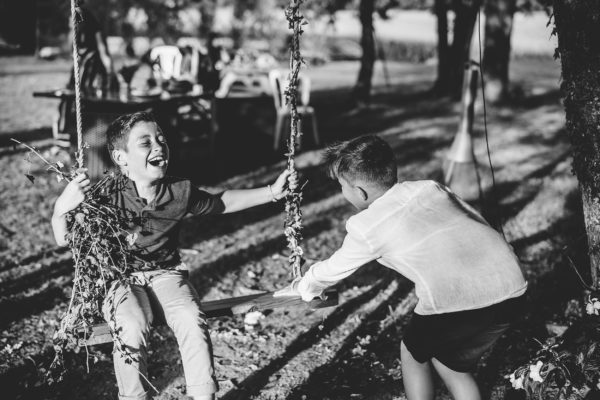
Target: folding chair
{"points": [[278, 86]]}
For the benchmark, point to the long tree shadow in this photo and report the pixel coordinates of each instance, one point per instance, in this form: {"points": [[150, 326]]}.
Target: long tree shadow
{"points": [[50, 254], [360, 366], [527, 187], [254, 383], [23, 305], [24, 136], [35, 278]]}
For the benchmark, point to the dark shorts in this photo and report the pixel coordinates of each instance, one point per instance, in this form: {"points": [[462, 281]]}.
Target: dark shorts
{"points": [[459, 339]]}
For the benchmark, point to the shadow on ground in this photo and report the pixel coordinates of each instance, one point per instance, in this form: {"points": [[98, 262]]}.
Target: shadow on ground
{"points": [[245, 144]]}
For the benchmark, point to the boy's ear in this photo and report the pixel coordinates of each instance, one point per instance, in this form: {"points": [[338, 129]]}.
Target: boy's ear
{"points": [[362, 193], [118, 156]]}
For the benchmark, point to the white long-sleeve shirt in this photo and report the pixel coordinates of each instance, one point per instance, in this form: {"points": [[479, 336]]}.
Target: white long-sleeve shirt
{"points": [[426, 233]]}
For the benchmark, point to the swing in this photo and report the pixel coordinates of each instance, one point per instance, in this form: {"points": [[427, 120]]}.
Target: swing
{"points": [[101, 333]]}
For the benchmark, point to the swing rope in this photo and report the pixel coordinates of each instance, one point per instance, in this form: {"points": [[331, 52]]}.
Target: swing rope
{"points": [[76, 77], [293, 220]]}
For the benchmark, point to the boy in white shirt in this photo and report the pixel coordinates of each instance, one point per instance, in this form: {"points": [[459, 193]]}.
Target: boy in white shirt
{"points": [[467, 279]]}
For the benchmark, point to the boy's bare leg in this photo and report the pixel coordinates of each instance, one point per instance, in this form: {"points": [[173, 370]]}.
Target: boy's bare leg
{"points": [[418, 379], [461, 385], [206, 397]]}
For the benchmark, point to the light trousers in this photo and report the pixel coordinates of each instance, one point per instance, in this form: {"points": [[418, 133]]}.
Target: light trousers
{"points": [[161, 294]]}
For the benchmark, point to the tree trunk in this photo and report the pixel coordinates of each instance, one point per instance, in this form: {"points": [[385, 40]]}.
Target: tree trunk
{"points": [[239, 8], [578, 30], [443, 71], [207, 17], [464, 22], [498, 27], [362, 89]]}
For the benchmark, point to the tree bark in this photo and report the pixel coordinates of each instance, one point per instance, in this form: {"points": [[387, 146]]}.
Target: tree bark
{"points": [[498, 28], [577, 25], [362, 89], [441, 12]]}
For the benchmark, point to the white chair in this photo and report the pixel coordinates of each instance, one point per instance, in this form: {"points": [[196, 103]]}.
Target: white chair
{"points": [[166, 62], [278, 86], [256, 84], [225, 85], [181, 64], [174, 62]]}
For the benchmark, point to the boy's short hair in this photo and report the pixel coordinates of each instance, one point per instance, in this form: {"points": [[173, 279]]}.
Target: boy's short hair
{"points": [[117, 133], [366, 158]]}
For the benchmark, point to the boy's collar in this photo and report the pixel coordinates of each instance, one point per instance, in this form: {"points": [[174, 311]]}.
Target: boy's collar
{"points": [[163, 196], [384, 194]]}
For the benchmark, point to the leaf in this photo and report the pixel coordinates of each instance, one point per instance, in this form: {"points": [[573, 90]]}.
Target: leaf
{"points": [[30, 177], [591, 350]]}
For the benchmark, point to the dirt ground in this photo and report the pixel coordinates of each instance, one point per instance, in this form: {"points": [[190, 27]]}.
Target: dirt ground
{"points": [[347, 352]]}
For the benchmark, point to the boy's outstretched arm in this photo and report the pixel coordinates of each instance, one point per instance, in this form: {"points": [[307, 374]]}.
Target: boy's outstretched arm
{"points": [[236, 200], [354, 253], [70, 198]]}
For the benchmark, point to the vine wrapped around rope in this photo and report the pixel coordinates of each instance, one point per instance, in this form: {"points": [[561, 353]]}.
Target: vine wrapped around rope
{"points": [[293, 220]]}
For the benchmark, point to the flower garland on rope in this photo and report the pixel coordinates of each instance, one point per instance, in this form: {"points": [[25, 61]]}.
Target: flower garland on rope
{"points": [[293, 219]]}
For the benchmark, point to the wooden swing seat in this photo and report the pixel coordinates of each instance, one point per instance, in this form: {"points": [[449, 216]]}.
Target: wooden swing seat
{"points": [[100, 333]]}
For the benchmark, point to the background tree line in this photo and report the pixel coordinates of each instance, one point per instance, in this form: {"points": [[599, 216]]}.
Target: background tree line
{"points": [[164, 19]]}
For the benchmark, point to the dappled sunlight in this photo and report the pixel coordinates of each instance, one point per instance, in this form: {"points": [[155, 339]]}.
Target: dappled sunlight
{"points": [[238, 253]]}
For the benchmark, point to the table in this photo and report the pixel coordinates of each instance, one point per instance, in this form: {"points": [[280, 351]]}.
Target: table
{"points": [[100, 109], [254, 81]]}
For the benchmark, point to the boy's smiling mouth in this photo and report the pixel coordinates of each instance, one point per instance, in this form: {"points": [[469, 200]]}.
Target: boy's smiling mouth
{"points": [[158, 161]]}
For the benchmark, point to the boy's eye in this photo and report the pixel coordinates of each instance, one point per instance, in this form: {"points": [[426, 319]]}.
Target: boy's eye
{"points": [[144, 144]]}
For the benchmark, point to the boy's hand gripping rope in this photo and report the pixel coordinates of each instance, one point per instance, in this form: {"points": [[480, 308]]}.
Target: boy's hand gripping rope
{"points": [[293, 219]]}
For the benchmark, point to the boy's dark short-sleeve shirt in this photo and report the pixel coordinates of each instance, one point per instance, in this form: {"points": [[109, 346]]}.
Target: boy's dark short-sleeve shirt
{"points": [[155, 226]]}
